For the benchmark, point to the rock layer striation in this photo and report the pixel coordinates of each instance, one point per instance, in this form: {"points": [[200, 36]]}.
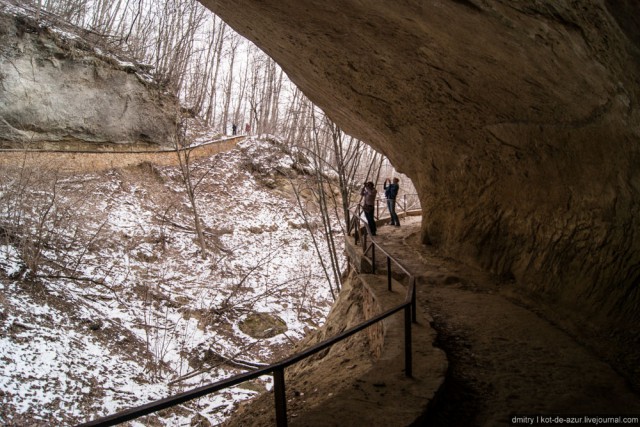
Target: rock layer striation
{"points": [[55, 87]]}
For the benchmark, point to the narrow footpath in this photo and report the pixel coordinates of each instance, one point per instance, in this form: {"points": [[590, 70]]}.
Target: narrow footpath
{"points": [[504, 360]]}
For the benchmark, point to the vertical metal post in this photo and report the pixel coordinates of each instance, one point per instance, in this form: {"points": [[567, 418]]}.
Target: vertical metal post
{"points": [[280, 396], [356, 230], [414, 315], [408, 356], [389, 273], [373, 257]]}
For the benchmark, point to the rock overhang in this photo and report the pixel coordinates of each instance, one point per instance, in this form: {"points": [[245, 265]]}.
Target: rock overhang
{"points": [[516, 121]]}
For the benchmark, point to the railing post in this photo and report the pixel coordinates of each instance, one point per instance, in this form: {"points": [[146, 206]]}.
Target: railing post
{"points": [[408, 356], [373, 257], [388, 273], [356, 230], [414, 315], [280, 397]]}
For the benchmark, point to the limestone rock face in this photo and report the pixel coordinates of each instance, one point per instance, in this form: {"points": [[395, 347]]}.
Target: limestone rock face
{"points": [[58, 89], [518, 123]]}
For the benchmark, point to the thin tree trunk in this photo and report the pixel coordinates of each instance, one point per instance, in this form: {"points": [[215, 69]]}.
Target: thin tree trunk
{"points": [[229, 85], [219, 42], [184, 155], [242, 85], [303, 212]]}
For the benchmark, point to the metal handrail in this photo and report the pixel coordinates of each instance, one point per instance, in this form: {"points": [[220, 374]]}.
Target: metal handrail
{"points": [[355, 227], [277, 369], [401, 204]]}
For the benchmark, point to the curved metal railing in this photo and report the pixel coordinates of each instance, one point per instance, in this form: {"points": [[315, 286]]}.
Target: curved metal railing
{"points": [[359, 227], [356, 226], [407, 203]]}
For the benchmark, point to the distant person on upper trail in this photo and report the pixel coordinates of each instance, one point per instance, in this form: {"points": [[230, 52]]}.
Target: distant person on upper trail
{"points": [[247, 128], [234, 129], [369, 193], [391, 192]]}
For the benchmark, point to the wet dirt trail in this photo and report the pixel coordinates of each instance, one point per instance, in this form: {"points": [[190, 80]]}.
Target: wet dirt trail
{"points": [[504, 359]]}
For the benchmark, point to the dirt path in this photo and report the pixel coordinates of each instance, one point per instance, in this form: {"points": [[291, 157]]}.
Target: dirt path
{"points": [[504, 359]]}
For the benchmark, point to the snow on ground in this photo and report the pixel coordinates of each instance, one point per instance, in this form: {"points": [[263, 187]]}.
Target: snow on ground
{"points": [[125, 310]]}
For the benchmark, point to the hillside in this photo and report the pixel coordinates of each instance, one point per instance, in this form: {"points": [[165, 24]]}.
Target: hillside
{"points": [[108, 303]]}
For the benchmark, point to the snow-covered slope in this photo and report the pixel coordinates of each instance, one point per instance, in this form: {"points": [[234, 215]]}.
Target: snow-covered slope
{"points": [[120, 308]]}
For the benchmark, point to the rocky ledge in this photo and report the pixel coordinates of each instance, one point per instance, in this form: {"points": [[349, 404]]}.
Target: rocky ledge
{"points": [[56, 87]]}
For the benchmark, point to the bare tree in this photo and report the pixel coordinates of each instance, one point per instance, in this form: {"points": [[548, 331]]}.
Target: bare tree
{"points": [[73, 11], [228, 86], [347, 156], [183, 151], [321, 196], [240, 97], [47, 229], [218, 42]]}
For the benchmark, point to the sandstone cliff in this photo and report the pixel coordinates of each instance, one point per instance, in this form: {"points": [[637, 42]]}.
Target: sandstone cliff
{"points": [[56, 87], [517, 122]]}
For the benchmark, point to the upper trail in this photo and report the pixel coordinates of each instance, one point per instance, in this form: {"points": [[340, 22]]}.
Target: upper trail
{"points": [[504, 359]]}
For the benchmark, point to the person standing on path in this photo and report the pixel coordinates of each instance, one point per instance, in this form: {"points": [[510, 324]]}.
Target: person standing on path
{"points": [[369, 193], [391, 192], [234, 129]]}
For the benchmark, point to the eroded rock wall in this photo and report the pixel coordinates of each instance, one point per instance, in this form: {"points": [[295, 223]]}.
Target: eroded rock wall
{"points": [[57, 88], [517, 121]]}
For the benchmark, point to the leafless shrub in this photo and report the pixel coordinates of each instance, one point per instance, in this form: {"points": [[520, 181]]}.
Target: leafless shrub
{"points": [[44, 227]]}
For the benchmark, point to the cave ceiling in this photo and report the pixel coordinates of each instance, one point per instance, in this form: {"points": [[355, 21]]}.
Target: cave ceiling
{"points": [[517, 122]]}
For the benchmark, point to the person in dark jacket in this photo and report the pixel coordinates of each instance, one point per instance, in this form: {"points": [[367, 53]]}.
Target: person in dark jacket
{"points": [[369, 199], [391, 192]]}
